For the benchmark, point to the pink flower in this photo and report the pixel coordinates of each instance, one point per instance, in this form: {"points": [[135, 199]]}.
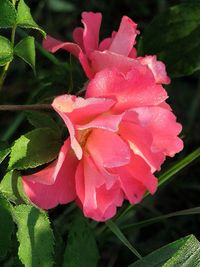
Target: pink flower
{"points": [[115, 51], [119, 136]]}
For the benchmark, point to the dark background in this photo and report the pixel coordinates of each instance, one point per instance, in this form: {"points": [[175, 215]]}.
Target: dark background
{"points": [[23, 87]]}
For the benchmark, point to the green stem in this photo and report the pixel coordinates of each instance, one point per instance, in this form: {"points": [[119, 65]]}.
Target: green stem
{"points": [[6, 67]]}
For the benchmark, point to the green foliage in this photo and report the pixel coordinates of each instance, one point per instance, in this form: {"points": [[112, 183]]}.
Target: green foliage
{"points": [[35, 237], [6, 51], [41, 119], [81, 250], [61, 6], [35, 148], [25, 49], [183, 252], [8, 14], [25, 19], [11, 187], [6, 226], [174, 37], [166, 176], [4, 150]]}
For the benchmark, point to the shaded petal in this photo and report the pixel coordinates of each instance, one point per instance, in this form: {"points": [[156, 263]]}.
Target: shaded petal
{"points": [[135, 178], [136, 88], [53, 45], [157, 67], [92, 23], [78, 37], [133, 53], [162, 125], [107, 149], [105, 43], [140, 141], [125, 37], [97, 203], [61, 192], [133, 189]]}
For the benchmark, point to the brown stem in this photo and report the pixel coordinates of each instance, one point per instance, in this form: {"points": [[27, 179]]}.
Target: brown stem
{"points": [[25, 107]]}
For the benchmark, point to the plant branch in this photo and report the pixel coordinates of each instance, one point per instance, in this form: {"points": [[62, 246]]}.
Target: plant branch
{"points": [[25, 107]]}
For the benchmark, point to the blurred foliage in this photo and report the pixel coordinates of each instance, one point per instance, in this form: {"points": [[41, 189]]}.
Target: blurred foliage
{"points": [[58, 18]]}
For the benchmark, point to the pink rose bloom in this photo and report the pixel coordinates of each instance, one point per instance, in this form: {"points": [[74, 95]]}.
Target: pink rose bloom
{"points": [[115, 51], [119, 136]]}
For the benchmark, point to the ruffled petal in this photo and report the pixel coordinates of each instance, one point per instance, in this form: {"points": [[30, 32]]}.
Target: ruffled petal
{"points": [[62, 191], [140, 141], [157, 67], [53, 45], [136, 88], [92, 23], [125, 37], [105, 121], [162, 125], [75, 110]]}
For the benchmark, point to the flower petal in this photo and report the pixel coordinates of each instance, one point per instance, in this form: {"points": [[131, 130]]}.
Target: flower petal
{"points": [[157, 67], [92, 23], [162, 125], [107, 149], [136, 88], [104, 121], [97, 203], [78, 37], [125, 37], [62, 191], [75, 110], [140, 141], [106, 59], [54, 45]]}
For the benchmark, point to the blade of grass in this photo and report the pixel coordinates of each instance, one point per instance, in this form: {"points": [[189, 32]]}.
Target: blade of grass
{"points": [[115, 229], [150, 221]]}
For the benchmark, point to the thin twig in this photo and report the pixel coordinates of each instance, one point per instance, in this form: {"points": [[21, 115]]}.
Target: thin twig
{"points": [[25, 107]]}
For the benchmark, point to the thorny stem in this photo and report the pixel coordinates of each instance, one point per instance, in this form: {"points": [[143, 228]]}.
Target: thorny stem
{"points": [[25, 107]]}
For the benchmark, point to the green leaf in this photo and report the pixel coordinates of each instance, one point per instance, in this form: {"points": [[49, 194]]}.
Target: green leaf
{"points": [[35, 148], [61, 6], [115, 229], [24, 18], [4, 150], [81, 250], [6, 226], [183, 252], [35, 236], [12, 188], [41, 119], [25, 49], [6, 51], [8, 14], [174, 37]]}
